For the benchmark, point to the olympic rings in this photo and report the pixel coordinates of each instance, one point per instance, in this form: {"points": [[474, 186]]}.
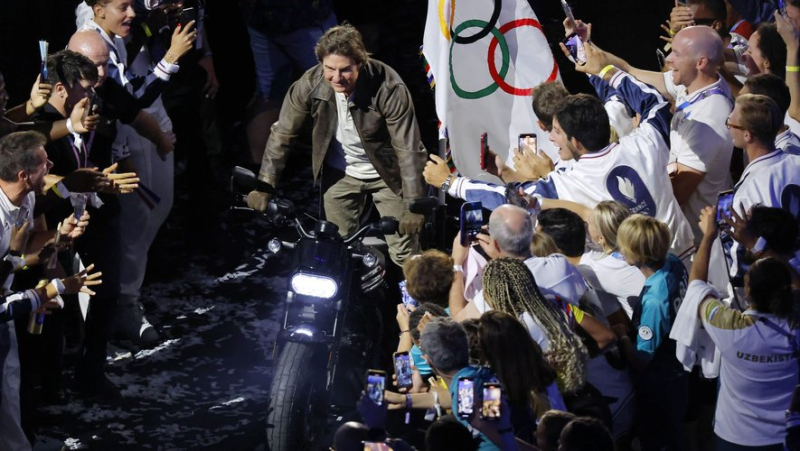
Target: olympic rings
{"points": [[499, 79], [499, 38], [443, 25], [487, 27]]}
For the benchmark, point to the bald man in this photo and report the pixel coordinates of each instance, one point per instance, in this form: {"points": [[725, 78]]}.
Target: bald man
{"points": [[512, 233], [700, 142], [117, 103]]}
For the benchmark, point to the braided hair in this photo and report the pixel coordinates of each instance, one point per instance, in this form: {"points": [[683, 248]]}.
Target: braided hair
{"points": [[510, 287]]}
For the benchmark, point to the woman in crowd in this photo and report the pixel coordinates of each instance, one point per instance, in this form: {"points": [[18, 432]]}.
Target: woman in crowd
{"points": [[614, 275], [510, 287], [766, 52], [661, 382], [429, 277], [528, 380], [759, 347]]}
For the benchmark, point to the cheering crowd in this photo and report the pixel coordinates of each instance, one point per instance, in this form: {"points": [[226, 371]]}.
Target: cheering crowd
{"points": [[636, 292]]}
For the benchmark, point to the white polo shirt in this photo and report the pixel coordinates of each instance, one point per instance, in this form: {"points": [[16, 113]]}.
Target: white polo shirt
{"points": [[772, 180], [788, 142], [700, 140], [8, 218], [616, 277]]}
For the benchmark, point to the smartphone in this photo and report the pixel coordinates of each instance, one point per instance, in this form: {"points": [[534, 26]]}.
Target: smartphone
{"points": [[376, 384], [492, 395], [22, 216], [79, 206], [89, 105], [513, 197], [484, 149], [471, 221], [661, 58], [567, 10], [576, 49], [376, 446], [43, 71], [408, 301], [466, 396], [402, 368], [187, 15], [724, 205], [522, 138]]}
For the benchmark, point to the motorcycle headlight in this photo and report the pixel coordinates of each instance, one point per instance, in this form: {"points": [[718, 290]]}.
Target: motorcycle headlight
{"points": [[369, 260], [314, 285], [274, 245]]}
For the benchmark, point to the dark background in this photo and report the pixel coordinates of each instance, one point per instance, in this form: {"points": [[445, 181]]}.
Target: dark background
{"points": [[627, 28]]}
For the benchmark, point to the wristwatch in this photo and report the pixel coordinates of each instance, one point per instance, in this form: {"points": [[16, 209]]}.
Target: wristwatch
{"points": [[447, 182], [458, 268]]}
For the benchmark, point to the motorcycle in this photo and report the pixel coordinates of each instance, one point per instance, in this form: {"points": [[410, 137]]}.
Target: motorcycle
{"points": [[331, 309]]}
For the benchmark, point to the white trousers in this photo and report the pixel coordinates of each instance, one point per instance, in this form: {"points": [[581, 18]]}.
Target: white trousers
{"points": [[138, 222], [12, 438]]}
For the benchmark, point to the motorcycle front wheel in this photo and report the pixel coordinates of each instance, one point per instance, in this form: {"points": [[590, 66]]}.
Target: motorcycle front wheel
{"points": [[299, 400]]}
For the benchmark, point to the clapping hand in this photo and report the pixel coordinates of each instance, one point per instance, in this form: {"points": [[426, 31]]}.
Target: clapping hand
{"points": [[80, 283], [119, 183]]}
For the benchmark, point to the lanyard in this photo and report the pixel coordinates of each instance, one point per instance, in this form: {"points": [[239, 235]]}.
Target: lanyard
{"points": [[81, 150], [701, 96]]}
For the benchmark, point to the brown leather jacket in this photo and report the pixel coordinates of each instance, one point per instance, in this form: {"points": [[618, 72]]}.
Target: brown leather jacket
{"points": [[382, 113]]}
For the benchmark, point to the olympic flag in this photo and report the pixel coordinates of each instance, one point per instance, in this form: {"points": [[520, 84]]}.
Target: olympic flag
{"points": [[485, 56]]}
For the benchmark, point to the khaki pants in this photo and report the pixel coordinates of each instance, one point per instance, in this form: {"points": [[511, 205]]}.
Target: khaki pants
{"points": [[345, 198]]}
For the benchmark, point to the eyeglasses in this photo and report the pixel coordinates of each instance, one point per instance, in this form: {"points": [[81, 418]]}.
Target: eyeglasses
{"points": [[704, 21], [730, 126]]}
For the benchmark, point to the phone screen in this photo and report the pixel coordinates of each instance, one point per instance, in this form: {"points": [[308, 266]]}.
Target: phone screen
{"points": [[79, 205], [376, 384], [492, 393], [22, 216], [576, 50], [724, 205], [471, 221], [534, 145], [466, 396], [376, 446], [402, 368], [484, 149], [408, 301]]}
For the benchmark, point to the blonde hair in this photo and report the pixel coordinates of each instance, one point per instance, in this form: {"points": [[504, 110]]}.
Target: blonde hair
{"points": [[510, 287], [760, 115], [606, 219], [644, 241], [542, 245]]}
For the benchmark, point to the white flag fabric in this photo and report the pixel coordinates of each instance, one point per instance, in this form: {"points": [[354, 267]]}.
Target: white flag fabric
{"points": [[485, 57]]}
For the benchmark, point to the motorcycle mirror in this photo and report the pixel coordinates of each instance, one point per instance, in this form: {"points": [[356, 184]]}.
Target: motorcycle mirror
{"points": [[423, 205], [388, 225], [243, 177]]}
